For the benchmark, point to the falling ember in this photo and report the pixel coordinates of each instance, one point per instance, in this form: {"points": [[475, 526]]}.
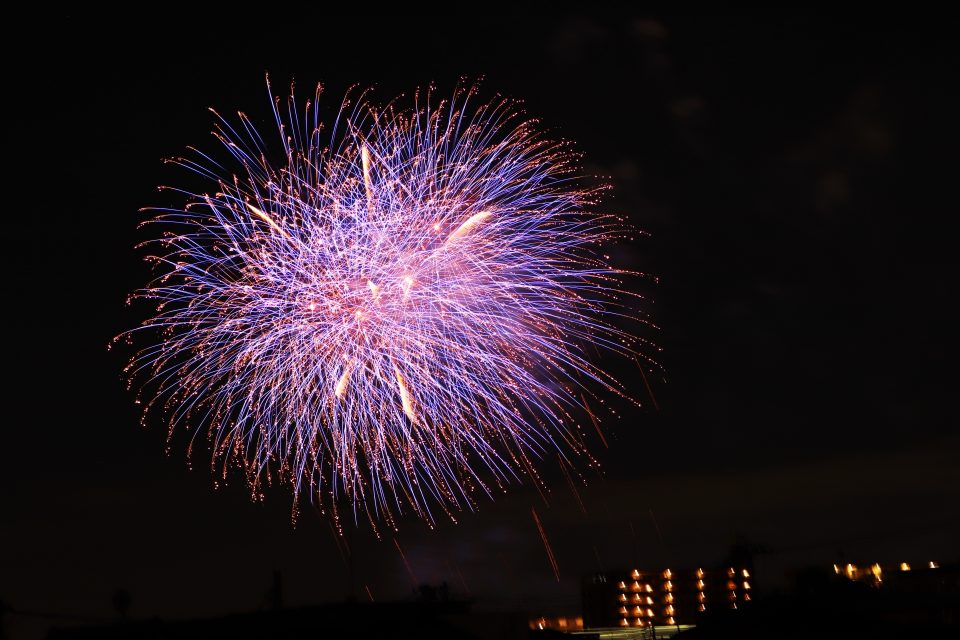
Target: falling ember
{"points": [[463, 582], [646, 383], [403, 556], [573, 486], [546, 544], [594, 421], [342, 547], [436, 266]]}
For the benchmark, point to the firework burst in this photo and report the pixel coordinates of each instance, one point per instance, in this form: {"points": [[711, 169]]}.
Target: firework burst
{"points": [[403, 313]]}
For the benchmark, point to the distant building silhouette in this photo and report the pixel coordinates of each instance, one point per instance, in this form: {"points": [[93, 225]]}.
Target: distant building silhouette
{"points": [[437, 620]]}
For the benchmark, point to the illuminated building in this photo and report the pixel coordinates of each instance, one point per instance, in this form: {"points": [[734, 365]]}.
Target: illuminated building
{"points": [[426, 619], [641, 597], [875, 574], [557, 623]]}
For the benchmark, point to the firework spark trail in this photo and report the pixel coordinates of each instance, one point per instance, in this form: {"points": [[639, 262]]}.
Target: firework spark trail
{"points": [[572, 485], [546, 544], [647, 385], [403, 556], [456, 569], [397, 316], [594, 421]]}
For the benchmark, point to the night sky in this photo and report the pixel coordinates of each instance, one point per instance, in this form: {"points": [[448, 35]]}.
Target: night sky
{"points": [[794, 176]]}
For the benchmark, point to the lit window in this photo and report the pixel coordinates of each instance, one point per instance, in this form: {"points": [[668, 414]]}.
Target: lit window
{"points": [[699, 573], [904, 566], [669, 598], [634, 574], [746, 574], [731, 572], [623, 611], [731, 585], [623, 622], [700, 584], [649, 600], [702, 607], [668, 585], [746, 597], [635, 586], [622, 585], [746, 585], [702, 597], [623, 597], [934, 565], [836, 569], [668, 574], [670, 620]]}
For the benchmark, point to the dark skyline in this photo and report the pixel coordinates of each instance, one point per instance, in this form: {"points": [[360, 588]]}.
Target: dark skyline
{"points": [[793, 175]]}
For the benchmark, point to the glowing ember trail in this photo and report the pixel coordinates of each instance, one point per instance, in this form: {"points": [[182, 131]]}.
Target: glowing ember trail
{"points": [[546, 544], [403, 556], [398, 311]]}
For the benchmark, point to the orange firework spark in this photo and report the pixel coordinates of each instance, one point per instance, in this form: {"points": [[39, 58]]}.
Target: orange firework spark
{"points": [[546, 543]]}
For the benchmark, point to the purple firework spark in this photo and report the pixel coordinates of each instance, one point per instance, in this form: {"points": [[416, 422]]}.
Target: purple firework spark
{"points": [[398, 315]]}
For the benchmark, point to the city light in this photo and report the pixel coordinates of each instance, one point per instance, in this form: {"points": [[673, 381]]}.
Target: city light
{"points": [[677, 588]]}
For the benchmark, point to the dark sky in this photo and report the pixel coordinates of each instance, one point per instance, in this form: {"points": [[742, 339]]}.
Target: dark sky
{"points": [[794, 175]]}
